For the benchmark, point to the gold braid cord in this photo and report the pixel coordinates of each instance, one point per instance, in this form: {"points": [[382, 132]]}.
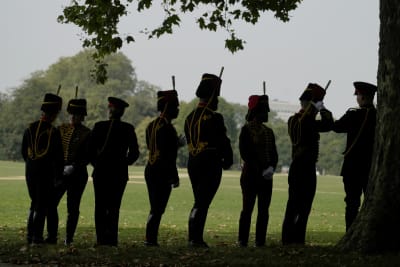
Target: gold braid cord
{"points": [[154, 153], [34, 152], [66, 132], [295, 130], [100, 151], [195, 145], [345, 153], [295, 125], [262, 139]]}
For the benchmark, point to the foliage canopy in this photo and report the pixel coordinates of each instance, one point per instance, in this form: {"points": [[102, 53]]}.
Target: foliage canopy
{"points": [[99, 20]]}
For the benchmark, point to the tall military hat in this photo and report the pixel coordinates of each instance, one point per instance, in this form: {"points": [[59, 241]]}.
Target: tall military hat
{"points": [[364, 88], [77, 107], [167, 97], [116, 102], [257, 104], [210, 85], [313, 92], [257, 101], [51, 103]]}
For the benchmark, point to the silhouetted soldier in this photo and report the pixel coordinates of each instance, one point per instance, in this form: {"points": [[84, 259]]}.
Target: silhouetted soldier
{"points": [[75, 140], [113, 146], [359, 124], [304, 131], [258, 151], [209, 152], [161, 173], [43, 154]]}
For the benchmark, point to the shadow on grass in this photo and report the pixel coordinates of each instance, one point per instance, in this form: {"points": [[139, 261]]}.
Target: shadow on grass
{"points": [[319, 251]]}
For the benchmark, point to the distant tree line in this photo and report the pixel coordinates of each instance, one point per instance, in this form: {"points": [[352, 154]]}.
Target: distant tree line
{"points": [[21, 105]]}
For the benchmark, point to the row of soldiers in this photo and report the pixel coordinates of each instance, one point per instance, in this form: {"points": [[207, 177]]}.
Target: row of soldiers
{"points": [[56, 160]]}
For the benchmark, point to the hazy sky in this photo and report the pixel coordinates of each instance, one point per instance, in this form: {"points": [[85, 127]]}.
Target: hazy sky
{"points": [[324, 40]]}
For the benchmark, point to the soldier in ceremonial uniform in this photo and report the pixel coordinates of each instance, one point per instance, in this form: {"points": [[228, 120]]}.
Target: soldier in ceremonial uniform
{"points": [[210, 151], [359, 124], [258, 151], [75, 140], [304, 129], [161, 173], [113, 146], [43, 155]]}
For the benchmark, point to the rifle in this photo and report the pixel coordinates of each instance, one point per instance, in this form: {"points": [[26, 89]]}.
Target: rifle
{"points": [[220, 73], [327, 85], [264, 87], [307, 109], [59, 88]]}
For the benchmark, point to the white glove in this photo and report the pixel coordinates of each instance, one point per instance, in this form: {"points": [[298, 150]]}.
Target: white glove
{"points": [[268, 173], [68, 170], [319, 105], [175, 185], [181, 140]]}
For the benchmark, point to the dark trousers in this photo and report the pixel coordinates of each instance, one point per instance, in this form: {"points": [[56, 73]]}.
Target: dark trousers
{"points": [[354, 187], [41, 193], [159, 193], [73, 185], [261, 190], [108, 196], [302, 185], [205, 180]]}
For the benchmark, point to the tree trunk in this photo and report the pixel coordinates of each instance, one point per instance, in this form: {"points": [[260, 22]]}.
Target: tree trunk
{"points": [[377, 227]]}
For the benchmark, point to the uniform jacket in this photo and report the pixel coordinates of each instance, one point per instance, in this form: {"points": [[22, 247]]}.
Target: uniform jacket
{"points": [[304, 129], [162, 143], [359, 124], [75, 140], [42, 151], [207, 140], [113, 146], [257, 149]]}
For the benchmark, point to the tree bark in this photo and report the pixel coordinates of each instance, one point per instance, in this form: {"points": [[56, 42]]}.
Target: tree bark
{"points": [[377, 227]]}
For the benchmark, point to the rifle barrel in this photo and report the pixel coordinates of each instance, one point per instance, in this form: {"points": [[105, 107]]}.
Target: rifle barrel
{"points": [[264, 87], [220, 73], [59, 88], [327, 85]]}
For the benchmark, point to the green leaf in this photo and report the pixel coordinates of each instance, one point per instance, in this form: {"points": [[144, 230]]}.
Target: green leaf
{"points": [[99, 19], [130, 39]]}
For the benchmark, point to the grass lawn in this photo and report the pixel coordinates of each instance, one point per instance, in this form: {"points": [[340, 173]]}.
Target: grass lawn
{"points": [[325, 228]]}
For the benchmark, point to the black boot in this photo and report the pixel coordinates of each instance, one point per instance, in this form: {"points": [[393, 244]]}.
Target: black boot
{"points": [[196, 227], [244, 229], [261, 229], [29, 228], [191, 224], [72, 222], [350, 215], [152, 226], [52, 226], [38, 227], [201, 221]]}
